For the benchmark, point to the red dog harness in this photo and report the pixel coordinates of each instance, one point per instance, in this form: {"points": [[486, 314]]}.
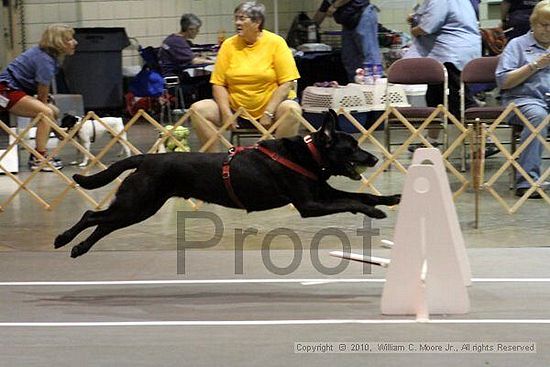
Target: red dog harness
{"points": [[226, 175]]}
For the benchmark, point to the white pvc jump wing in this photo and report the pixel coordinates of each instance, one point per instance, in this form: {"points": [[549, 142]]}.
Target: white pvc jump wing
{"points": [[427, 232]]}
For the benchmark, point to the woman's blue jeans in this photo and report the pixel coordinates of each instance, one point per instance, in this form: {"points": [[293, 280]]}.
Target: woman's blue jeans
{"points": [[360, 45], [530, 159]]}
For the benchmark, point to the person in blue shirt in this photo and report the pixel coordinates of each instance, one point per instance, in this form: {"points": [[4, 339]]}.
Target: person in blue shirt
{"points": [[359, 20], [447, 31], [524, 78], [30, 74]]}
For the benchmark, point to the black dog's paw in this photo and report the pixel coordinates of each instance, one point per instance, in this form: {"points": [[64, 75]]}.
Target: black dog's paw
{"points": [[392, 200], [78, 250], [61, 241], [376, 214]]}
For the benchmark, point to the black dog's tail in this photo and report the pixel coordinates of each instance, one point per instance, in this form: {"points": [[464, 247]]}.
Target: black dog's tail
{"points": [[104, 177]]}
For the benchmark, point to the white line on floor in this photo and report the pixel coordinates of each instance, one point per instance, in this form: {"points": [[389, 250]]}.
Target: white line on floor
{"points": [[304, 281], [266, 322]]}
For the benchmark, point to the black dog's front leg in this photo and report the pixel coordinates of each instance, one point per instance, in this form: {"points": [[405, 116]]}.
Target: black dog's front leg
{"points": [[330, 200], [320, 208], [330, 193], [370, 199]]}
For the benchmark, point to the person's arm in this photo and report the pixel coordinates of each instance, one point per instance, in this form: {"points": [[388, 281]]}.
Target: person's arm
{"points": [[417, 31], [434, 13], [287, 73], [178, 51], [280, 94], [335, 5], [42, 93], [201, 60], [320, 15], [221, 96], [521, 74]]}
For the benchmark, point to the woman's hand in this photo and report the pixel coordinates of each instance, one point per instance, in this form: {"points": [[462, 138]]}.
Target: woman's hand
{"points": [[202, 60], [225, 117], [265, 120], [521, 74], [418, 32], [542, 61]]}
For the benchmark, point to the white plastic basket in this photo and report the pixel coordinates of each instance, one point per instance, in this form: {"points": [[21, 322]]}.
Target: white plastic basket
{"points": [[349, 97], [378, 94]]}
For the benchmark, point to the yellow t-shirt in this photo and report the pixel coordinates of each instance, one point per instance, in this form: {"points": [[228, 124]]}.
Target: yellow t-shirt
{"points": [[252, 73]]}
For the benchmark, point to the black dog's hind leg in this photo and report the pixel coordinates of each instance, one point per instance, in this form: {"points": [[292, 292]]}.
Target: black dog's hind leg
{"points": [[101, 231], [122, 213], [89, 219]]}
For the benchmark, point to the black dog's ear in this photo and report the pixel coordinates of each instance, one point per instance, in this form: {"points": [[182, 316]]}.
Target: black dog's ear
{"points": [[328, 127], [66, 116], [68, 120]]}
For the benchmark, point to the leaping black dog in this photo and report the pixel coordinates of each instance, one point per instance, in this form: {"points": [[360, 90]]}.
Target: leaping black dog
{"points": [[271, 174]]}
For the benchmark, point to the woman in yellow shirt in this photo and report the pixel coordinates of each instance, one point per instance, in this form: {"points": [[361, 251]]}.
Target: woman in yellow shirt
{"points": [[255, 70]]}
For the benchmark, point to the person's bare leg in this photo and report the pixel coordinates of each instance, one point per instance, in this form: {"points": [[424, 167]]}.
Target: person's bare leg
{"points": [[290, 125], [209, 110], [30, 107]]}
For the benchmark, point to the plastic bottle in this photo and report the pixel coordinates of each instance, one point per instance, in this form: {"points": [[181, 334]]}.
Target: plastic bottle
{"points": [[359, 76], [377, 72], [369, 76], [312, 33]]}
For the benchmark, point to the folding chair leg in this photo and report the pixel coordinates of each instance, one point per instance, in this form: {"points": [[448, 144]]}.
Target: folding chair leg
{"points": [[180, 101]]}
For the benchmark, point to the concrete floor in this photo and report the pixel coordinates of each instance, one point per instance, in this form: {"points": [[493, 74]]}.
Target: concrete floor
{"points": [[215, 314]]}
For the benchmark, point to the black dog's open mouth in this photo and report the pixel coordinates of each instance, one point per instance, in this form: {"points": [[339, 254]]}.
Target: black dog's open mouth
{"points": [[355, 170]]}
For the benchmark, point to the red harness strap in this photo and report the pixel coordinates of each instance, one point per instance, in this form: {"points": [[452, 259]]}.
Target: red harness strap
{"points": [[313, 150], [287, 163], [226, 167]]}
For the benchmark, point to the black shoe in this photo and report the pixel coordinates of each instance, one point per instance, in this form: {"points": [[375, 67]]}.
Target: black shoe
{"points": [[522, 190], [491, 149], [411, 148]]}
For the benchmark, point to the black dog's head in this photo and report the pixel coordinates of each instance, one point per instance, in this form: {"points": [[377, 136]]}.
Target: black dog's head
{"points": [[68, 121], [340, 151]]}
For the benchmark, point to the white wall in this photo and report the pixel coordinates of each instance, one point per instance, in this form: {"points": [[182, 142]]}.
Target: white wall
{"points": [[149, 21]]}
